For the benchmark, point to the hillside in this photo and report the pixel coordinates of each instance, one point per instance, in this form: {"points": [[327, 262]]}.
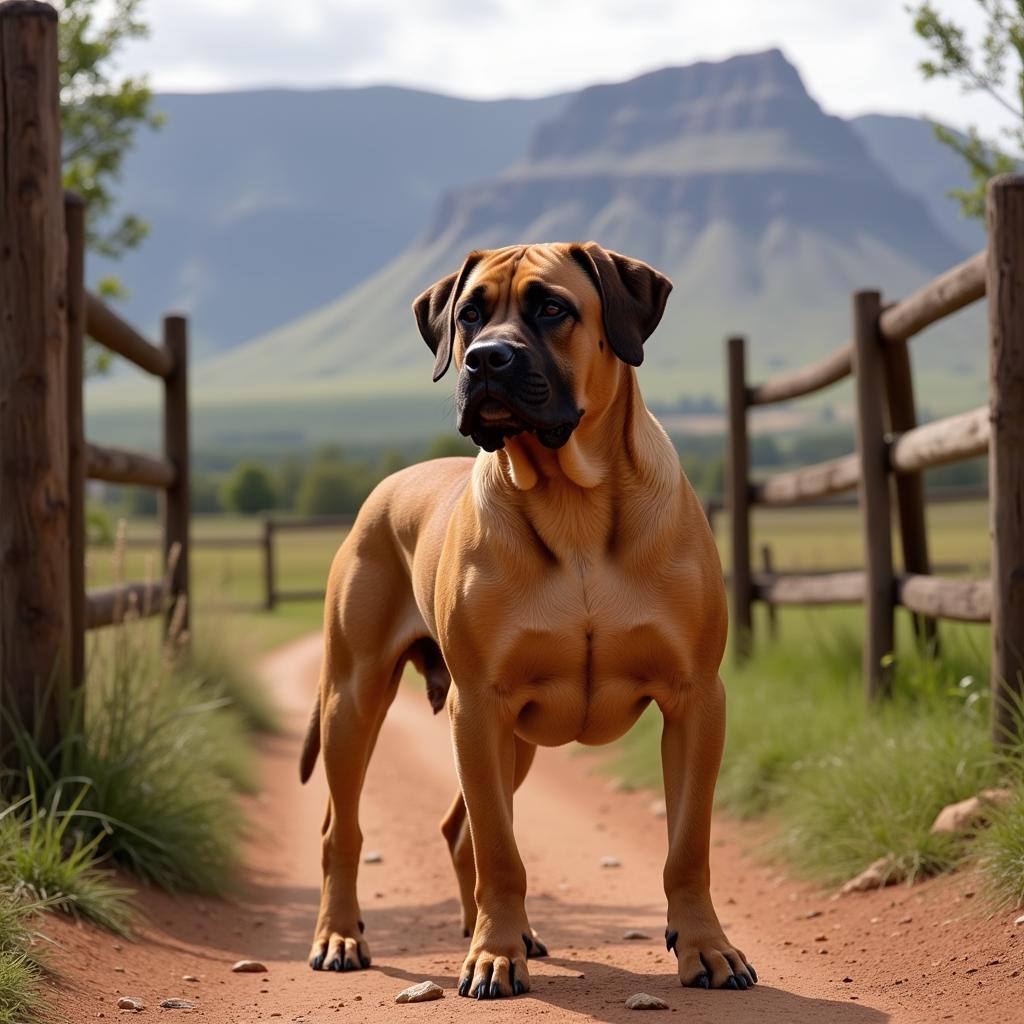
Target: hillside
{"points": [[266, 204], [728, 176]]}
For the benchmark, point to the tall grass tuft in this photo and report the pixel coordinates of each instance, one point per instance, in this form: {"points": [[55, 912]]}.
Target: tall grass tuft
{"points": [[19, 969]]}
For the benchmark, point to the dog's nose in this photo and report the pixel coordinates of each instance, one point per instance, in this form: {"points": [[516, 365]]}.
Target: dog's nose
{"points": [[489, 357]]}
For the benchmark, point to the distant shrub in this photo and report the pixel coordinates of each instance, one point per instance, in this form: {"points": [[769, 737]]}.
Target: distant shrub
{"points": [[249, 489], [445, 445], [332, 487]]}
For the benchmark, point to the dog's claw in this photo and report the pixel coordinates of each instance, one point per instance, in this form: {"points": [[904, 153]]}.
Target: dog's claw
{"points": [[495, 992], [365, 961], [317, 963], [670, 940], [464, 985], [752, 972], [732, 982], [701, 981], [518, 988]]}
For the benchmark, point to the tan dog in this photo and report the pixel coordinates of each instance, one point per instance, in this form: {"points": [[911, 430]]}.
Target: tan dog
{"points": [[566, 578]]}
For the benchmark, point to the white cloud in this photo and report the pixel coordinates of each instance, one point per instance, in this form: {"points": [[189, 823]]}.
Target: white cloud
{"points": [[854, 57]]}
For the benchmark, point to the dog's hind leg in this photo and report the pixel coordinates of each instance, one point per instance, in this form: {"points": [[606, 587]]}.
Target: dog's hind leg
{"points": [[455, 829], [352, 714]]}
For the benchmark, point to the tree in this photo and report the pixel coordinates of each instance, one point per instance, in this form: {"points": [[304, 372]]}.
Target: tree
{"points": [[332, 487], [249, 489], [986, 70], [100, 112]]}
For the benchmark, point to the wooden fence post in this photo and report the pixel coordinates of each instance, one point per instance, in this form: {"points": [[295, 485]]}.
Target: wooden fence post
{"points": [[879, 597], [902, 416], [74, 229], [769, 568], [177, 498], [35, 627], [738, 499], [1005, 288], [269, 593]]}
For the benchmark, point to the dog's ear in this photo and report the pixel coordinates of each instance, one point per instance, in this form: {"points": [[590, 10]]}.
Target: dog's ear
{"points": [[633, 297], [435, 314]]}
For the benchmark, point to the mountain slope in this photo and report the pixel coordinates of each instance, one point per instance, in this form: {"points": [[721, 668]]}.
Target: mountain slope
{"points": [[765, 211], [266, 204]]}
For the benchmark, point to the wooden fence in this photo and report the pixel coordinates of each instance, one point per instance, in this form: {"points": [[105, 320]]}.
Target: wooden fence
{"points": [[892, 450], [44, 457]]}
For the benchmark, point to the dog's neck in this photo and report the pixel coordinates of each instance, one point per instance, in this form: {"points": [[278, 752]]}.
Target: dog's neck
{"points": [[617, 470]]}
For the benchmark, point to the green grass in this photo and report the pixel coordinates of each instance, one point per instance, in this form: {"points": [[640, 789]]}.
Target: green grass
{"points": [[846, 785], [20, 972]]}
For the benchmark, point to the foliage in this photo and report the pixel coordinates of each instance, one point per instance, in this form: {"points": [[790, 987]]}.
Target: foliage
{"points": [[45, 856], [249, 489], [19, 971], [334, 485], [846, 785], [984, 70]]}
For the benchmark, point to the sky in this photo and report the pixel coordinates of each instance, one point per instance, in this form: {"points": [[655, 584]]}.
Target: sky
{"points": [[855, 56]]}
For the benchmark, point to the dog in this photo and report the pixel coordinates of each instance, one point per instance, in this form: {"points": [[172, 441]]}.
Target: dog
{"points": [[548, 590]]}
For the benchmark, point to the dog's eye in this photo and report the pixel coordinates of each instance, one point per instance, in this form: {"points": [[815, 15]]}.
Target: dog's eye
{"points": [[469, 315], [551, 310]]}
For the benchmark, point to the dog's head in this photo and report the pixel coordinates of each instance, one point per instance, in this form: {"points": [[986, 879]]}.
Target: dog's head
{"points": [[537, 333]]}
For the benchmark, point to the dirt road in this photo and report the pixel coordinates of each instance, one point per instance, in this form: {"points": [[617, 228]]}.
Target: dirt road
{"points": [[906, 955]]}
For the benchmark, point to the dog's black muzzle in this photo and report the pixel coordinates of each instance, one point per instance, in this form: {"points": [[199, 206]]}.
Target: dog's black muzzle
{"points": [[504, 389]]}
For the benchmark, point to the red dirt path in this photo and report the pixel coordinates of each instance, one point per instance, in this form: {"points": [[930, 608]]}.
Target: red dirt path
{"points": [[925, 954]]}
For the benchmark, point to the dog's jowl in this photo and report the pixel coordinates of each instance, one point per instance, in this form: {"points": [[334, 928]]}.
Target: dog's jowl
{"points": [[548, 590]]}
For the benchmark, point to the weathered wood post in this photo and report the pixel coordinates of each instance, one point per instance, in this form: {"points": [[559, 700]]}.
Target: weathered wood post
{"points": [[177, 498], [269, 593], [74, 229], [773, 614], [1005, 289], [738, 499], [902, 416], [879, 596], [35, 618]]}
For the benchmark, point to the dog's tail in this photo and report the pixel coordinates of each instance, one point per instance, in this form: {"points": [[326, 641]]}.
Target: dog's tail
{"points": [[311, 743]]}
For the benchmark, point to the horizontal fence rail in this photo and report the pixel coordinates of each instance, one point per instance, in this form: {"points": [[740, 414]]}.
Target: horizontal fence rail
{"points": [[953, 439], [798, 486], [119, 466], [810, 588], [960, 600], [806, 381], [111, 606], [103, 325], [946, 294]]}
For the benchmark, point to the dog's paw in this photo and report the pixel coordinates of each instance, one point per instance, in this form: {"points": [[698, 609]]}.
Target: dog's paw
{"points": [[708, 960], [495, 969], [342, 950]]}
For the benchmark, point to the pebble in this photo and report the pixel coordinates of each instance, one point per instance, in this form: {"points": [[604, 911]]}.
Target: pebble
{"points": [[189, 977], [372, 857], [249, 967], [1020, 920], [637, 935], [130, 1003], [611, 862], [177, 1004], [643, 1001], [421, 993]]}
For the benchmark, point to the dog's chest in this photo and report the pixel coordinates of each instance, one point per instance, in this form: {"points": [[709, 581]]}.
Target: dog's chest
{"points": [[585, 652]]}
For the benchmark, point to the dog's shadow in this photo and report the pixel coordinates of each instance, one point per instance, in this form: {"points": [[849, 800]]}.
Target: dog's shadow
{"points": [[601, 992]]}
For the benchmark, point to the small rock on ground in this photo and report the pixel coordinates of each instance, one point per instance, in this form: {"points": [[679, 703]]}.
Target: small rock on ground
{"points": [[249, 967], [178, 1004], [634, 934], [130, 1003], [189, 977], [1020, 920], [658, 809], [881, 873], [421, 993], [611, 862], [969, 813], [372, 857], [643, 1001]]}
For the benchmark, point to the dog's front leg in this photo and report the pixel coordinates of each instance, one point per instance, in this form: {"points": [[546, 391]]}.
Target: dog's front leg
{"points": [[691, 751], [485, 758]]}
